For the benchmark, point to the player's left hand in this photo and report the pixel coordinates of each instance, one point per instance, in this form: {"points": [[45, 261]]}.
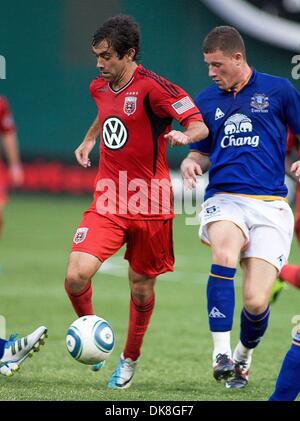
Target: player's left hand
{"points": [[177, 138], [295, 168]]}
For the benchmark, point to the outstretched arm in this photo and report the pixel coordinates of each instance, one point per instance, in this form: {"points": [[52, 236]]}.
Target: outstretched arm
{"points": [[85, 148], [195, 131]]}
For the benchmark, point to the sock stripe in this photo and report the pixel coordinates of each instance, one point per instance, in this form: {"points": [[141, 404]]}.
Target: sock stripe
{"points": [[219, 270], [247, 315], [221, 277]]}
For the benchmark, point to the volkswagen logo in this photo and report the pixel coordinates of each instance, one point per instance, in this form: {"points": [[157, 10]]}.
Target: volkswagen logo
{"points": [[114, 133]]}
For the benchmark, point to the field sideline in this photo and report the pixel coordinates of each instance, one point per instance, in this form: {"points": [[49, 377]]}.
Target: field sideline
{"points": [[176, 359]]}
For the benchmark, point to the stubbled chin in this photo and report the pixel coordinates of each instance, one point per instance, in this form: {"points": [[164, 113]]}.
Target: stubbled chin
{"points": [[222, 85], [106, 76]]}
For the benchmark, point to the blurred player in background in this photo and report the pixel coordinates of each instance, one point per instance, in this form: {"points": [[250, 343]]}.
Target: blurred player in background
{"points": [[10, 146], [13, 352], [245, 215], [290, 273], [288, 382], [136, 108]]}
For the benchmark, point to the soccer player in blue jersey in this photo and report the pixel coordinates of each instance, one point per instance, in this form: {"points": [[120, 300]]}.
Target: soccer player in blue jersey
{"points": [[288, 382], [245, 216]]}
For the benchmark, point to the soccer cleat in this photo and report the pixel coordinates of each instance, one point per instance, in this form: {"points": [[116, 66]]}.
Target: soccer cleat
{"points": [[240, 379], [6, 371], [276, 291], [17, 350], [98, 366], [223, 368], [123, 375]]}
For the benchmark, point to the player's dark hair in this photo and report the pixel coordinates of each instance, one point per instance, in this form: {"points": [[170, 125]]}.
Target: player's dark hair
{"points": [[226, 39], [121, 33]]}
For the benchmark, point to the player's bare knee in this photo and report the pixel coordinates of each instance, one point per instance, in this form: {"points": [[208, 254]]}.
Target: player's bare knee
{"points": [[256, 304], [141, 286], [224, 257], [76, 281], [141, 295]]}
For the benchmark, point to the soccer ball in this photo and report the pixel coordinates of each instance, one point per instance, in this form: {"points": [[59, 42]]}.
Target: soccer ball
{"points": [[90, 340]]}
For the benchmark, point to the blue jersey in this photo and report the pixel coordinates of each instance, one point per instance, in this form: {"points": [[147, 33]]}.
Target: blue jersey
{"points": [[248, 131]]}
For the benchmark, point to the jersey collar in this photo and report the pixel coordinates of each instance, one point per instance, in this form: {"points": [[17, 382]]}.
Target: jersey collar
{"points": [[247, 82], [117, 91]]}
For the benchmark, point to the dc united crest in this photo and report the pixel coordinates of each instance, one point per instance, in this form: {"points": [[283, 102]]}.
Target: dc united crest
{"points": [[130, 105], [80, 235]]}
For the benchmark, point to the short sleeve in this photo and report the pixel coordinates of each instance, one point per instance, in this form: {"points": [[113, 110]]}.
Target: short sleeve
{"points": [[169, 100]]}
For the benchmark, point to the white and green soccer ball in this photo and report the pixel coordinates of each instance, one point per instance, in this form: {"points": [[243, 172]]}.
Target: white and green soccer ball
{"points": [[90, 340]]}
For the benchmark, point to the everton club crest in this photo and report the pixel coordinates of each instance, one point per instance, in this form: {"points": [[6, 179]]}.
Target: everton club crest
{"points": [[259, 103], [130, 105]]}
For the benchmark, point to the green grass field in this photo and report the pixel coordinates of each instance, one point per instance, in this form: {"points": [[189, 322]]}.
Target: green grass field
{"points": [[176, 358]]}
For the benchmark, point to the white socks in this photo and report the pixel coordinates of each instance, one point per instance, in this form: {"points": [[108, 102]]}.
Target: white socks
{"points": [[241, 353], [221, 341]]}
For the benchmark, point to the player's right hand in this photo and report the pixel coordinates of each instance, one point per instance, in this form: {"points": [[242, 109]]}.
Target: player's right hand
{"points": [[189, 172], [83, 151]]}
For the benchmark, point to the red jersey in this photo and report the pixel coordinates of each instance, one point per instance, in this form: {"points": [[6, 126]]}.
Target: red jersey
{"points": [[133, 179], [6, 119], [292, 142]]}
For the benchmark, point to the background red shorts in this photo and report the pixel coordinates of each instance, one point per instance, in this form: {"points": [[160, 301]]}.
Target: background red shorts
{"points": [[149, 242]]}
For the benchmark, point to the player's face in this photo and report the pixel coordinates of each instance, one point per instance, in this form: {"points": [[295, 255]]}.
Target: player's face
{"points": [[110, 65], [224, 69]]}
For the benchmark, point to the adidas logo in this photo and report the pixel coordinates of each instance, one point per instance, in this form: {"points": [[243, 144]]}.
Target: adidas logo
{"points": [[216, 314], [219, 114]]}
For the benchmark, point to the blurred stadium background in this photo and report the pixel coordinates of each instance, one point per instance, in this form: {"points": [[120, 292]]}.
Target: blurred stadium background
{"points": [[49, 63], [49, 66]]}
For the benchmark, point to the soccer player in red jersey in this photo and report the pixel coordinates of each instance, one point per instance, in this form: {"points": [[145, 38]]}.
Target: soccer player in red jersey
{"points": [[290, 273], [133, 198], [10, 145]]}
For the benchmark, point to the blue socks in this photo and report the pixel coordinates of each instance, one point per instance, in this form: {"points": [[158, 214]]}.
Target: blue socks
{"points": [[253, 327], [2, 343], [288, 381], [220, 298]]}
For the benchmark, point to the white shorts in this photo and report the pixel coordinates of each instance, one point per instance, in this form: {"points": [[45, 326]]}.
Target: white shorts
{"points": [[267, 225]]}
